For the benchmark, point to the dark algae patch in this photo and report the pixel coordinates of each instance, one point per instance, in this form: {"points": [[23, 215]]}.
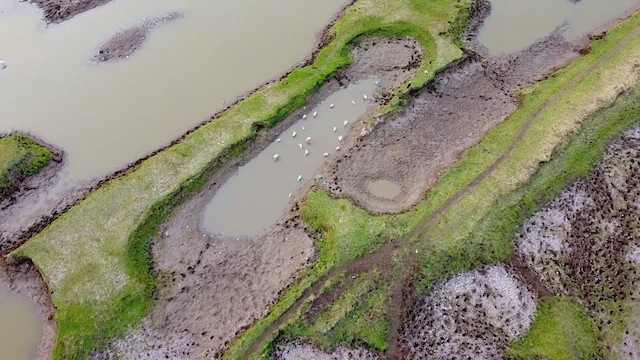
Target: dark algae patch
{"points": [[20, 158]]}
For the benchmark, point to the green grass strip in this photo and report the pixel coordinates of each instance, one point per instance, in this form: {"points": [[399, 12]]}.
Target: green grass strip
{"points": [[562, 330]]}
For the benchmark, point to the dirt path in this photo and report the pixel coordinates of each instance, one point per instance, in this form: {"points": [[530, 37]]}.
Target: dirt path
{"points": [[385, 254]]}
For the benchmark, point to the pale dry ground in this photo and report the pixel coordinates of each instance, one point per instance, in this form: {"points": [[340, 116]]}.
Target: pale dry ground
{"points": [[585, 244], [474, 315]]}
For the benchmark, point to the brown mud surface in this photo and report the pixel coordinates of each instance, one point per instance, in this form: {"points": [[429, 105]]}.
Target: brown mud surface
{"points": [[127, 42], [23, 278], [465, 101], [212, 287], [472, 316], [57, 11], [585, 243]]}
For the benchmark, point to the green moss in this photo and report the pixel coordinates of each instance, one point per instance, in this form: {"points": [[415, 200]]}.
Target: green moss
{"points": [[562, 330], [20, 157]]}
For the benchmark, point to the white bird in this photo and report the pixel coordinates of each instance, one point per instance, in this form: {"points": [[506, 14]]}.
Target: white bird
{"points": [[331, 106], [315, 113], [365, 97], [337, 148], [3, 65], [304, 116], [290, 194], [325, 154], [306, 152], [353, 102], [334, 129], [303, 129], [340, 138], [299, 178], [300, 146], [308, 140], [346, 122], [426, 71], [294, 134], [278, 140], [276, 157]]}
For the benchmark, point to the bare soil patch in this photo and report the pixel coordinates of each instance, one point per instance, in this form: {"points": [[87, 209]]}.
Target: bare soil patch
{"points": [[23, 278], [57, 11], [414, 146], [472, 316], [127, 42]]}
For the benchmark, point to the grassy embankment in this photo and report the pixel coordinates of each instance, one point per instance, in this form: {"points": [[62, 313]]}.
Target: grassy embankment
{"points": [[478, 226], [95, 257], [562, 330], [20, 157]]}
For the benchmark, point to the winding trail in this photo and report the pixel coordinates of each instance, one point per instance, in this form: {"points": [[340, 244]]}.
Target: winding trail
{"points": [[385, 254]]}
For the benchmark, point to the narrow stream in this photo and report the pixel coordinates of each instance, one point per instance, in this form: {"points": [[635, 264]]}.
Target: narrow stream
{"points": [[513, 25], [257, 195], [20, 327]]}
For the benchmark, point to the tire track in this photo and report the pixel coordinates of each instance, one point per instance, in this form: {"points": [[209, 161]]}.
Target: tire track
{"points": [[384, 255]]}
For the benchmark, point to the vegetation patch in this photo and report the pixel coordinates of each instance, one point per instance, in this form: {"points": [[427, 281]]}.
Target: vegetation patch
{"points": [[95, 257], [562, 330], [471, 216], [20, 157]]}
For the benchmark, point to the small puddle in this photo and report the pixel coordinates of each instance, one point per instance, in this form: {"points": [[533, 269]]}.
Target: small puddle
{"points": [[257, 195], [384, 189], [513, 25], [20, 327]]}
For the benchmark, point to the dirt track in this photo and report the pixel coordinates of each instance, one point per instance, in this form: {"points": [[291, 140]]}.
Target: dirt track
{"points": [[205, 280]]}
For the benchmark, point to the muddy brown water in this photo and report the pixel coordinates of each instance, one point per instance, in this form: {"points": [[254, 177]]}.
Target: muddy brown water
{"points": [[384, 189], [513, 25], [257, 195], [20, 327], [105, 116]]}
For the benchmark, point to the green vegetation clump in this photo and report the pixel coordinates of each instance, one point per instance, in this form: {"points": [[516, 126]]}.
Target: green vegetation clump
{"points": [[95, 257], [471, 216], [20, 157], [562, 330]]}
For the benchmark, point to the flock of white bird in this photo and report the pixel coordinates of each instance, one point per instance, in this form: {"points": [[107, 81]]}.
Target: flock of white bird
{"points": [[308, 139]]}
